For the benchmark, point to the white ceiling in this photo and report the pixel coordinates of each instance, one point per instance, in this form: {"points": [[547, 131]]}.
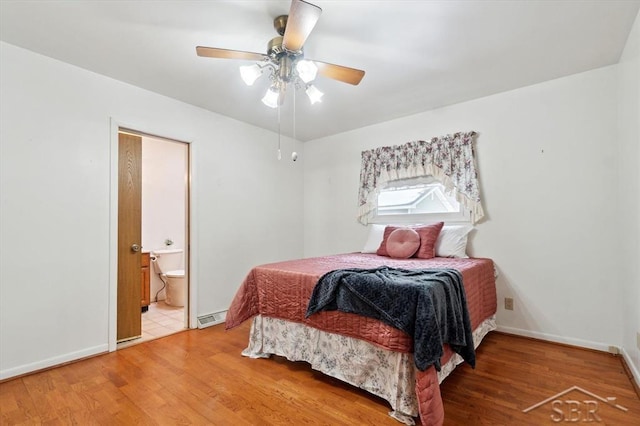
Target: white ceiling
{"points": [[418, 55]]}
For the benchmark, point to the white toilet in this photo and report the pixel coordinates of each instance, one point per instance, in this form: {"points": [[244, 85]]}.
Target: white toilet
{"points": [[169, 264]]}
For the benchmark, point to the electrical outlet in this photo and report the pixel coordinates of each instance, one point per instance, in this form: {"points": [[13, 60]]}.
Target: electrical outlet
{"points": [[508, 303], [614, 350]]}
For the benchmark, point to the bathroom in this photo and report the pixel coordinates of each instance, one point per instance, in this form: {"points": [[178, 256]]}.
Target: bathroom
{"points": [[164, 229]]}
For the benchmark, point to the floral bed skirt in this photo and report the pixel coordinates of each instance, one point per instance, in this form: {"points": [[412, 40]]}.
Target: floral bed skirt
{"points": [[389, 375]]}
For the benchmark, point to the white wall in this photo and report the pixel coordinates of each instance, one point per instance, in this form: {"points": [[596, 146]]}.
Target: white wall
{"points": [[55, 193], [548, 155], [629, 187], [547, 162], [164, 198]]}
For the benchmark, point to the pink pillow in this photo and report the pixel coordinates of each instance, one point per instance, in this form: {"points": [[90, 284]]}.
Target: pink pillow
{"points": [[403, 243], [428, 237], [382, 250]]}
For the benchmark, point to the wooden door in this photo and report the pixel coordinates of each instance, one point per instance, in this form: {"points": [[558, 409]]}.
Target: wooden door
{"points": [[129, 322]]}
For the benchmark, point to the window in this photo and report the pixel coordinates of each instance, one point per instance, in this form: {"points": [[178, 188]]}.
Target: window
{"points": [[449, 159], [417, 201]]}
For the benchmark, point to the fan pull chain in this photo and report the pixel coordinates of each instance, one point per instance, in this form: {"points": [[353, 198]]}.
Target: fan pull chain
{"points": [[294, 155], [279, 151]]}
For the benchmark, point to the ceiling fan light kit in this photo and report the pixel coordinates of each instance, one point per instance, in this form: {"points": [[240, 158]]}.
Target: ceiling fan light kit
{"points": [[250, 73], [272, 98], [314, 94], [307, 70], [284, 68], [285, 58]]}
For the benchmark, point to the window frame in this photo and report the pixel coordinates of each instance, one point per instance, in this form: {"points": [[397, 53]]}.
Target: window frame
{"points": [[461, 216]]}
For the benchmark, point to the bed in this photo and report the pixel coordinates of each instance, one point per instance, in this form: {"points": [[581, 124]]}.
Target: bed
{"points": [[355, 349]]}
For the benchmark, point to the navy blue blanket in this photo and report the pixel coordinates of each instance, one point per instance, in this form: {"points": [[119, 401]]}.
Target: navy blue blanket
{"points": [[428, 304]]}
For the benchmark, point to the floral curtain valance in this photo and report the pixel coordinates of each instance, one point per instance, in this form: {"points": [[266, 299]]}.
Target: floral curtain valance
{"points": [[450, 159]]}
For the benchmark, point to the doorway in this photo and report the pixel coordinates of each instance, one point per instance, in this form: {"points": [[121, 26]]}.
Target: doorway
{"points": [[153, 237]]}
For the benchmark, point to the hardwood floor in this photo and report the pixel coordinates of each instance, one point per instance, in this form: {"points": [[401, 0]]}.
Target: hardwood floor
{"points": [[199, 377]]}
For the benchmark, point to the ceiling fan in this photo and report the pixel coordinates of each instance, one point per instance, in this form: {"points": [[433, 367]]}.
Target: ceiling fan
{"points": [[285, 57]]}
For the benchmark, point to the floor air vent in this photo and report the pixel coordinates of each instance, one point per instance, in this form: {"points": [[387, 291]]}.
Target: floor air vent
{"points": [[211, 319]]}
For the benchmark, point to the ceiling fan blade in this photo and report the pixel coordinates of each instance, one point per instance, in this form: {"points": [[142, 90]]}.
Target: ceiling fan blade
{"points": [[340, 73], [302, 18], [214, 52]]}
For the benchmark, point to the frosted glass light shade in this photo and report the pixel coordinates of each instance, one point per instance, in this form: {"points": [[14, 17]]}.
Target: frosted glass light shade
{"points": [[307, 70], [314, 94], [250, 73], [271, 97]]}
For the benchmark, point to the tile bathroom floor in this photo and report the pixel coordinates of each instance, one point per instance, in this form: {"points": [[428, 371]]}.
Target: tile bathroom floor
{"points": [[159, 321]]}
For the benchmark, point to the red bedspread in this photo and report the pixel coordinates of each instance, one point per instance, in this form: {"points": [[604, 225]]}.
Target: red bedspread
{"points": [[282, 290]]}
